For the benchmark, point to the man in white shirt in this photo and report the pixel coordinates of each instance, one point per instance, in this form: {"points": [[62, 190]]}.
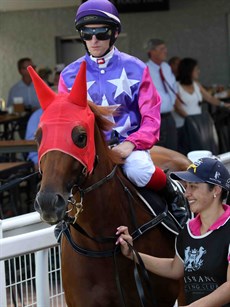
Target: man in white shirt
{"points": [[165, 83]]}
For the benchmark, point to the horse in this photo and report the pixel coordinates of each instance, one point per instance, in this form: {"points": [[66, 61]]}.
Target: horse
{"points": [[169, 159], [84, 190]]}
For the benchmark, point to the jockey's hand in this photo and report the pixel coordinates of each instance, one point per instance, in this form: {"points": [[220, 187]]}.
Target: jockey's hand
{"points": [[123, 236], [124, 149]]}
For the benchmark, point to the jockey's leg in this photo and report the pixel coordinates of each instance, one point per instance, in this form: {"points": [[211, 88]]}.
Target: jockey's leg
{"points": [[140, 169], [174, 198]]}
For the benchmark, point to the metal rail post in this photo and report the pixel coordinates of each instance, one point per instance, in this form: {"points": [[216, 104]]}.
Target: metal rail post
{"points": [[42, 278], [3, 301]]}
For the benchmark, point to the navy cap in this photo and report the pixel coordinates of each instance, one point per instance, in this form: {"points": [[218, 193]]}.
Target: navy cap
{"points": [[207, 170]]}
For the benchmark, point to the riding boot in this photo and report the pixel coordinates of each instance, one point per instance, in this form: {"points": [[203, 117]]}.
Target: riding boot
{"points": [[177, 202]]}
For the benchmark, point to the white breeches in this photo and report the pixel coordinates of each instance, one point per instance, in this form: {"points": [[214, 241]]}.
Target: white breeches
{"points": [[139, 167]]}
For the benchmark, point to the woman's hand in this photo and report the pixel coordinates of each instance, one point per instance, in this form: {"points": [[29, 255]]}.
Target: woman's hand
{"points": [[124, 236]]}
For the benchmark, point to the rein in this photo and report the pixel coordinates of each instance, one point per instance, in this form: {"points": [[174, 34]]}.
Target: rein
{"points": [[63, 228], [97, 184], [15, 182]]}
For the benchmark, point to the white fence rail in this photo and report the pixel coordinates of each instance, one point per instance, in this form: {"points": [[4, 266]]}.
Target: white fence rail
{"points": [[225, 158], [30, 273]]}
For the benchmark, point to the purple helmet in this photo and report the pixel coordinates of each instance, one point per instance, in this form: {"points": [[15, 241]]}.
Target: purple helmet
{"points": [[97, 12]]}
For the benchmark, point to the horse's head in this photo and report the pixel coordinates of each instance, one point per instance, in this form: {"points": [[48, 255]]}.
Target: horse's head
{"points": [[66, 147]]}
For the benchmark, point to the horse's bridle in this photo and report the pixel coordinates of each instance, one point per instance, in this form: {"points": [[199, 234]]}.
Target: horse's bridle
{"points": [[79, 205], [64, 228], [68, 220]]}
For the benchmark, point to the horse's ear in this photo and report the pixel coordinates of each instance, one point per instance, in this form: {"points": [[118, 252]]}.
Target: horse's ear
{"points": [[78, 94], [45, 94]]}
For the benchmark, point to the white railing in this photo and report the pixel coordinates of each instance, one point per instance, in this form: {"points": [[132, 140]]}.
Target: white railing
{"points": [[29, 263], [225, 159]]}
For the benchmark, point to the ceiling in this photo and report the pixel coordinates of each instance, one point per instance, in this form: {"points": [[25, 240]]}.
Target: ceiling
{"points": [[18, 5]]}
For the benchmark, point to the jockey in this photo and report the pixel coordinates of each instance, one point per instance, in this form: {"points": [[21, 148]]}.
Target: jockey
{"points": [[122, 82]]}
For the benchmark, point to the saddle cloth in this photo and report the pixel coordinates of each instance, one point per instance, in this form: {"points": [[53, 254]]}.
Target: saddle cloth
{"points": [[156, 205]]}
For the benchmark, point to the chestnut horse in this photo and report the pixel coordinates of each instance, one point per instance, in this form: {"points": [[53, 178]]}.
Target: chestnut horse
{"points": [[82, 188]]}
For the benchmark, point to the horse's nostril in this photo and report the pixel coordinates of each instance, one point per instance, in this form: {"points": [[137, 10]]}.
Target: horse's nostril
{"points": [[60, 201], [51, 206]]}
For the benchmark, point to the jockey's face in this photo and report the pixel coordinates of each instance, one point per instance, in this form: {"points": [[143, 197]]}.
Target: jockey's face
{"points": [[96, 47]]}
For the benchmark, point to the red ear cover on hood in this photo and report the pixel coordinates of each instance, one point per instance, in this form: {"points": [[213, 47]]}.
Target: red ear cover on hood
{"points": [[45, 94], [63, 112], [78, 94]]}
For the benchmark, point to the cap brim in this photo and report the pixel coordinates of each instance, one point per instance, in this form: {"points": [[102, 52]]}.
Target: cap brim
{"points": [[185, 176]]}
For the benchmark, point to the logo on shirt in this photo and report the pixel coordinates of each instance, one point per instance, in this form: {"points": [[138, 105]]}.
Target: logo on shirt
{"points": [[193, 258]]}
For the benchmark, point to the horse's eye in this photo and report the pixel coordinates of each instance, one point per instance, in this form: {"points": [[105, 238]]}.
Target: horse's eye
{"points": [[38, 136], [79, 136]]}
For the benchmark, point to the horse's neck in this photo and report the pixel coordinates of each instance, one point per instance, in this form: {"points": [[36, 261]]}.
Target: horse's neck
{"points": [[104, 164], [104, 205]]}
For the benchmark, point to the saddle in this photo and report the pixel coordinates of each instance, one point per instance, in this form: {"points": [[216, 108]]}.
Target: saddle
{"points": [[156, 205]]}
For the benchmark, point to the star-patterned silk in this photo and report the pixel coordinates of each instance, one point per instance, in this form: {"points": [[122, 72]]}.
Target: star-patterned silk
{"points": [[125, 85]]}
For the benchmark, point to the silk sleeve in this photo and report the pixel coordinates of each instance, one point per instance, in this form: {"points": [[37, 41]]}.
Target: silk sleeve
{"points": [[149, 105]]}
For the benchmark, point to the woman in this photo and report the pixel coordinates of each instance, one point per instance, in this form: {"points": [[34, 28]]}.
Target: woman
{"points": [[203, 246], [192, 93]]}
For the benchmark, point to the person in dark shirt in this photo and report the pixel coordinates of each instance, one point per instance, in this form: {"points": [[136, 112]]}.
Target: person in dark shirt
{"points": [[203, 246], [174, 63]]}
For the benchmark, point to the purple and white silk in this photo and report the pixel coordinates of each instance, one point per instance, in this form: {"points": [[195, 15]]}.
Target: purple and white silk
{"points": [[126, 85]]}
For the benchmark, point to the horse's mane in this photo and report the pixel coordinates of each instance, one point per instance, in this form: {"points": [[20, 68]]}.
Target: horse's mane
{"points": [[105, 125]]}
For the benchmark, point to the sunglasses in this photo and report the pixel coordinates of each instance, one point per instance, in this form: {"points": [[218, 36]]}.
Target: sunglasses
{"points": [[101, 34]]}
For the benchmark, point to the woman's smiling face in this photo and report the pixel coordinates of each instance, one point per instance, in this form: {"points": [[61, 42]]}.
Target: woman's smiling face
{"points": [[199, 196]]}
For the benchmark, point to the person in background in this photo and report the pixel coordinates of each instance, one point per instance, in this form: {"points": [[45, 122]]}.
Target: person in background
{"points": [[123, 82], [203, 246], [45, 74], [56, 81], [24, 88], [192, 93], [31, 128], [165, 83], [173, 63], [34, 120]]}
